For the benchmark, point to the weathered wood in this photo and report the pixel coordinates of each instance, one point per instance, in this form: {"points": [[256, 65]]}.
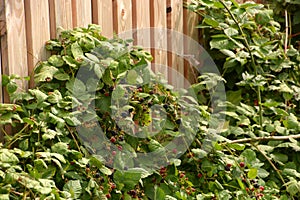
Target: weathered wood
{"points": [[159, 37], [175, 42], [122, 16], [103, 15], [141, 22], [38, 32], [13, 40], [191, 20], [60, 16], [81, 13]]}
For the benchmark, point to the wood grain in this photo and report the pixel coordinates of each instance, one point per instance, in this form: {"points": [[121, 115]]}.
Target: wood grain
{"points": [[13, 40], [191, 20], [103, 15], [38, 32], [122, 16], [159, 37], [175, 42], [60, 16], [141, 22], [82, 13]]}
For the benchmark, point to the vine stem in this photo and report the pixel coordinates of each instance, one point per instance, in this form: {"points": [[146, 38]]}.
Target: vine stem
{"points": [[252, 60], [71, 132], [286, 32], [273, 166], [255, 139]]}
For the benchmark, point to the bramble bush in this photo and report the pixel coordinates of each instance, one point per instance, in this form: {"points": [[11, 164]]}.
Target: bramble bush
{"points": [[58, 152]]}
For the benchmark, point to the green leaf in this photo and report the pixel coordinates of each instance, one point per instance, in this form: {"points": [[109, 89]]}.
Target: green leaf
{"points": [[45, 73], [280, 157], [252, 173], [118, 93], [220, 43], [231, 32], [211, 22], [5, 80], [76, 50], [158, 193], [237, 146], [249, 155], [128, 178], [61, 76], [74, 188], [60, 147], [228, 53], [11, 87], [56, 60], [262, 18], [70, 61], [7, 157]]}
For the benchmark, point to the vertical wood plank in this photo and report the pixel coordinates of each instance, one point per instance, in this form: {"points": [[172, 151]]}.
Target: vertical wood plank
{"points": [[60, 15], [141, 21], [191, 20], [103, 15], [82, 13], [159, 38], [2, 32], [175, 42], [38, 32], [122, 16], [13, 40]]}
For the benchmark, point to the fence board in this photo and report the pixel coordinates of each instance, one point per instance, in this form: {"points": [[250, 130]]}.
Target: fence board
{"points": [[103, 15], [82, 13], [60, 15], [159, 38], [13, 40], [192, 19], [141, 20], [122, 16], [38, 32], [175, 42]]}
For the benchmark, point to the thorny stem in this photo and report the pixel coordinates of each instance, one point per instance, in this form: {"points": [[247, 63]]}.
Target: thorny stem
{"points": [[252, 59], [273, 166], [77, 145], [255, 139]]}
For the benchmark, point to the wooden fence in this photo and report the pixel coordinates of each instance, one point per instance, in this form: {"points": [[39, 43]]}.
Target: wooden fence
{"points": [[27, 24]]}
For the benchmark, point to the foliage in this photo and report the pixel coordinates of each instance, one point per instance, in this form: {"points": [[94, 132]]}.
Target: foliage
{"points": [[59, 152], [262, 80]]}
